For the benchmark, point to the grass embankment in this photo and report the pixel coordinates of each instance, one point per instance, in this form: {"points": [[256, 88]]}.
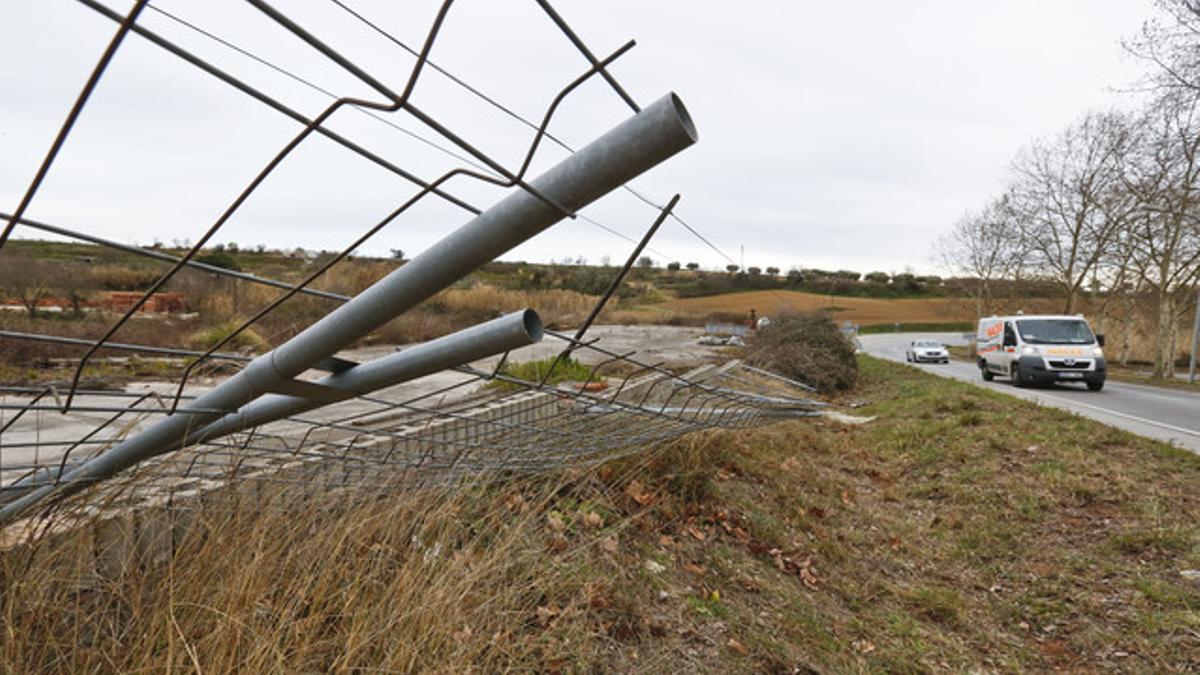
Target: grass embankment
{"points": [[961, 530]]}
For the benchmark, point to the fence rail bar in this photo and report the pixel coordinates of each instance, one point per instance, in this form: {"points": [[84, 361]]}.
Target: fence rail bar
{"points": [[653, 135]]}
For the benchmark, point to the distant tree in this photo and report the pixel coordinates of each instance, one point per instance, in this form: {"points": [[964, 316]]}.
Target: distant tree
{"points": [[773, 271], [795, 276], [906, 280], [848, 275], [27, 280], [77, 285], [692, 267], [397, 254], [645, 262], [219, 248], [673, 267], [260, 249], [232, 247], [930, 280], [985, 248], [754, 271], [731, 268], [219, 259], [877, 277]]}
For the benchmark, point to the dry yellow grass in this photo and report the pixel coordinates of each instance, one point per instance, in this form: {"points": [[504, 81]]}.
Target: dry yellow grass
{"points": [[553, 304], [863, 311]]}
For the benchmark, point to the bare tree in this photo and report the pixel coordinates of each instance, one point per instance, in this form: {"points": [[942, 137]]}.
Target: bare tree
{"points": [[1169, 42], [77, 286], [27, 280], [1070, 200], [984, 247], [1165, 177]]}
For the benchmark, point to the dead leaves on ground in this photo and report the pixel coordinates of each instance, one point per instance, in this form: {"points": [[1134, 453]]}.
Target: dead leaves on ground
{"points": [[706, 529], [638, 493]]}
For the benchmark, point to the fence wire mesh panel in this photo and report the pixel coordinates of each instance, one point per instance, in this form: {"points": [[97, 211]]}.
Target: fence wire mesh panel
{"points": [[267, 402]]}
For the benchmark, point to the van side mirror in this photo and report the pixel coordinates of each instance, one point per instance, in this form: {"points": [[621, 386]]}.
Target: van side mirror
{"points": [[1100, 339]]}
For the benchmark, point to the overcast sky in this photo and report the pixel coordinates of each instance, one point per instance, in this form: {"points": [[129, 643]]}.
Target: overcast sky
{"points": [[832, 134]]}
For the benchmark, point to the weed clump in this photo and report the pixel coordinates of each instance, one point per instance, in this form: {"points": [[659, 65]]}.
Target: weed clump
{"points": [[806, 347], [561, 370]]}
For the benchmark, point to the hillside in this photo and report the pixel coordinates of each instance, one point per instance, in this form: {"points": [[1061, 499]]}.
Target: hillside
{"points": [[862, 311]]}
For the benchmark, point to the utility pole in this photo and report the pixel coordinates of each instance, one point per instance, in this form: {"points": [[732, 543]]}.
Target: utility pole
{"points": [[1195, 340]]}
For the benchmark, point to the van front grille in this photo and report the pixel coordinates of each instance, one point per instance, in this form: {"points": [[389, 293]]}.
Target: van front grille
{"points": [[1062, 364]]}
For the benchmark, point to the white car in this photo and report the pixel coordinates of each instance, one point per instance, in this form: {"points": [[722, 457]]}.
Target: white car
{"points": [[926, 351]]}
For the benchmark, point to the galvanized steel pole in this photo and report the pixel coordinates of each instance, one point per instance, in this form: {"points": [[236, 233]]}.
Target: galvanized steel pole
{"points": [[494, 337], [651, 136], [491, 338]]}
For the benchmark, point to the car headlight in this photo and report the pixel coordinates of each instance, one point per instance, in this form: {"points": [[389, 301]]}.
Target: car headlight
{"points": [[1097, 352]]}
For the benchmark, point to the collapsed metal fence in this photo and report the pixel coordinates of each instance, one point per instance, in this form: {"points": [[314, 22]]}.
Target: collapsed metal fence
{"points": [[301, 416]]}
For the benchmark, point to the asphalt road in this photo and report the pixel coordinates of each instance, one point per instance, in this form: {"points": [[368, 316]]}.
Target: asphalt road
{"points": [[1168, 415]]}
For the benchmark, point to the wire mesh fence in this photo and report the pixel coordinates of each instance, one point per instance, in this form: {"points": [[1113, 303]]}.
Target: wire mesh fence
{"points": [[299, 418]]}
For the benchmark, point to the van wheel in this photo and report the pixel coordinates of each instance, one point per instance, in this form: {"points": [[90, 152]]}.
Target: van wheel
{"points": [[987, 374], [1014, 372], [1095, 386]]}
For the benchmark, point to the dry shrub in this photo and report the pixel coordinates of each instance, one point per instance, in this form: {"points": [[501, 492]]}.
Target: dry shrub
{"points": [[469, 578], [416, 325], [214, 306], [808, 347], [353, 276], [247, 340], [554, 305], [117, 278]]}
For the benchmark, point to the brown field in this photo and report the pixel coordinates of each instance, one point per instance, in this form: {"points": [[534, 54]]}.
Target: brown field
{"points": [[862, 311]]}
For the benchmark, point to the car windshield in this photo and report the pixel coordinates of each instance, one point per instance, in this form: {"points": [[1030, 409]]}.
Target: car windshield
{"points": [[928, 344], [1055, 331]]}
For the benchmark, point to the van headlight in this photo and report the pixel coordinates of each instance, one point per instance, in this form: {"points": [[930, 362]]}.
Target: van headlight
{"points": [[1097, 352], [1029, 350]]}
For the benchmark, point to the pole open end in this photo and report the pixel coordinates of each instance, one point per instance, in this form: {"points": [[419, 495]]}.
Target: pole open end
{"points": [[533, 325], [685, 118]]}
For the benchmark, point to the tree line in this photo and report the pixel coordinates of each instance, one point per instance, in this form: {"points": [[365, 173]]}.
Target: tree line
{"points": [[1109, 208]]}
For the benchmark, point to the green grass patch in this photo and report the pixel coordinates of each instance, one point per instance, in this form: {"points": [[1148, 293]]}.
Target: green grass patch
{"points": [[565, 370]]}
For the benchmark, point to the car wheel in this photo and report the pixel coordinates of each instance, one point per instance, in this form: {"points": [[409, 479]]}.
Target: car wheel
{"points": [[1095, 386], [987, 374]]}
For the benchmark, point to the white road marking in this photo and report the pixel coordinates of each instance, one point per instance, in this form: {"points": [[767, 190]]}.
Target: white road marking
{"points": [[1115, 413]]}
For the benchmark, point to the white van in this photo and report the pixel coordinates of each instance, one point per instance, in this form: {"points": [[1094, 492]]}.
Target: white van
{"points": [[1040, 349]]}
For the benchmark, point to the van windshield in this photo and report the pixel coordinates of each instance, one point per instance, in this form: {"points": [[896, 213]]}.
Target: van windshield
{"points": [[1055, 331]]}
